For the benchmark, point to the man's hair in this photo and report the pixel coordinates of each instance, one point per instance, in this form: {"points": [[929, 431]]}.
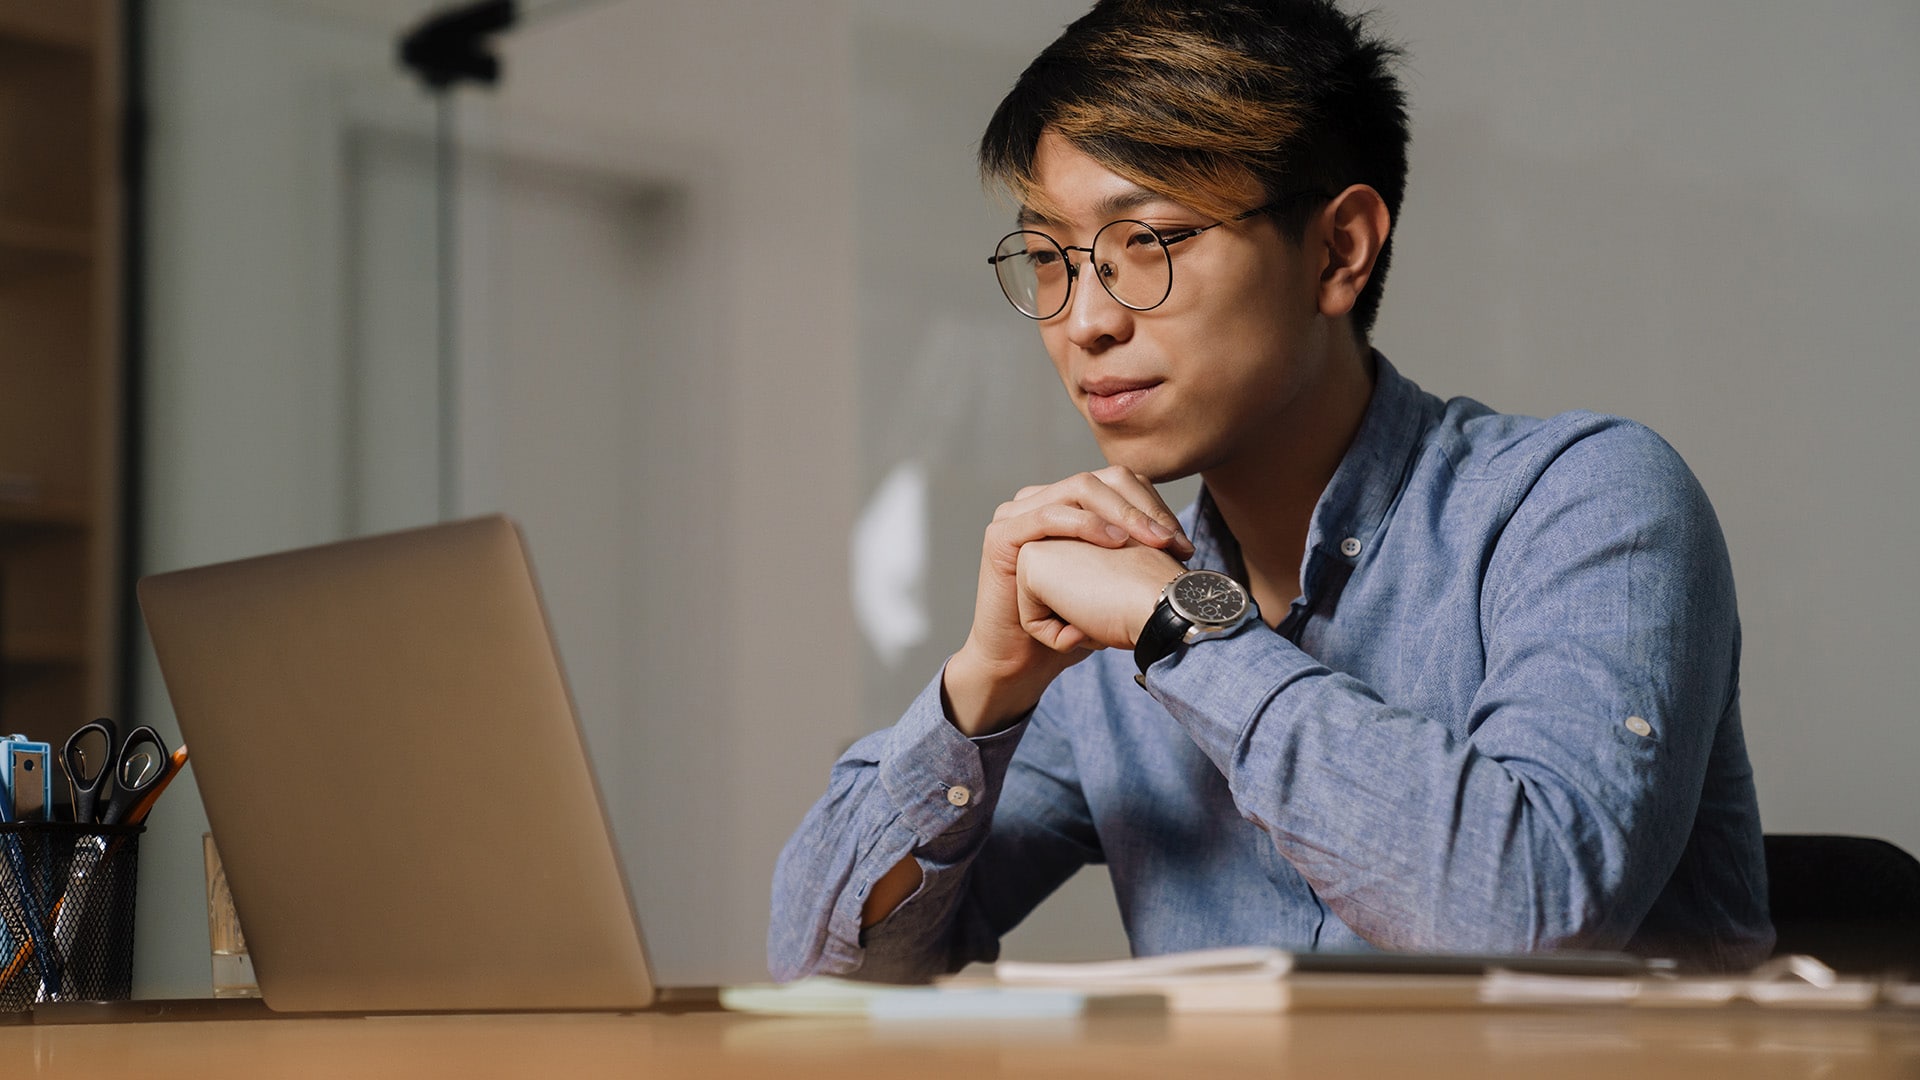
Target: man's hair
{"points": [[1198, 101]]}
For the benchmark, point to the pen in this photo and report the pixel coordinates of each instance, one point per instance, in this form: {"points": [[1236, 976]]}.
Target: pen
{"points": [[138, 815], [49, 964], [96, 859]]}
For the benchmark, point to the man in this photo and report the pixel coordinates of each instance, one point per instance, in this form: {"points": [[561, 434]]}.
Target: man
{"points": [[1410, 674]]}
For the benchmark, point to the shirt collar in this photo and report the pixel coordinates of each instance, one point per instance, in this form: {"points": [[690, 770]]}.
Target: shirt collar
{"points": [[1356, 501]]}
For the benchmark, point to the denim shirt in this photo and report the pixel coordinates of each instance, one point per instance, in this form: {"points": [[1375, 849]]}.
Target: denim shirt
{"points": [[1503, 717]]}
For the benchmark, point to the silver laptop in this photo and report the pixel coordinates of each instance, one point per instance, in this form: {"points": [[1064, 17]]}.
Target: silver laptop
{"points": [[395, 777]]}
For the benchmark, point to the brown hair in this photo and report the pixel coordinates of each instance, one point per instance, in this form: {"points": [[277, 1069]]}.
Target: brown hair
{"points": [[1214, 104]]}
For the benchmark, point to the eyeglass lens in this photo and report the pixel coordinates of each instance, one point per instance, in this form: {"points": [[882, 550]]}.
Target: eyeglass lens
{"points": [[1129, 258]]}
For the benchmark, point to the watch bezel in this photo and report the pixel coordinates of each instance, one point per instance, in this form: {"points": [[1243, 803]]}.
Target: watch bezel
{"points": [[1198, 623]]}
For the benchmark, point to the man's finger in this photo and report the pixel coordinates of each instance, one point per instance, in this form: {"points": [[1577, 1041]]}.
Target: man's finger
{"points": [[1050, 521], [1139, 491], [1134, 507]]}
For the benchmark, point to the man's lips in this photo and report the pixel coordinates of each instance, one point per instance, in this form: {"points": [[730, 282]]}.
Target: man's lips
{"points": [[1110, 401]]}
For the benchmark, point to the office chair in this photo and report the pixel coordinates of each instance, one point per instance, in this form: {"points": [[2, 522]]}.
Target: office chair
{"points": [[1852, 901]]}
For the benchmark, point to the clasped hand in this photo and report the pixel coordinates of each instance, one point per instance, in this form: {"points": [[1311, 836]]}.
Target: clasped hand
{"points": [[1065, 569]]}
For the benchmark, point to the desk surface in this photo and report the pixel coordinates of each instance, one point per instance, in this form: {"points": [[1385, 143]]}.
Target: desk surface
{"points": [[1617, 1044]]}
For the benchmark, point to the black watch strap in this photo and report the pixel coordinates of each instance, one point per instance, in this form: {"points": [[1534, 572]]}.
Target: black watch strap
{"points": [[1164, 631]]}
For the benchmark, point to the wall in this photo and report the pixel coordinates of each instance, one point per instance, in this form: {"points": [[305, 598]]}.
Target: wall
{"points": [[1694, 215], [290, 402], [245, 395], [1697, 215], [754, 95], [1700, 216]]}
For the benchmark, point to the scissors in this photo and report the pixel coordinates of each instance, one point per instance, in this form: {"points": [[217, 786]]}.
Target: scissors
{"points": [[122, 772]]}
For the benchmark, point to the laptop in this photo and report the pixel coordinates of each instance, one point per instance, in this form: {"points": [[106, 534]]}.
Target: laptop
{"points": [[396, 779]]}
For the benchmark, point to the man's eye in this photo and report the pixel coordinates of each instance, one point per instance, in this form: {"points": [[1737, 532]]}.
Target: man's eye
{"points": [[1042, 257], [1142, 238]]}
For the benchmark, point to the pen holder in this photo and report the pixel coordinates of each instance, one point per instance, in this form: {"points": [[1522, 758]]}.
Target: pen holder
{"points": [[66, 912]]}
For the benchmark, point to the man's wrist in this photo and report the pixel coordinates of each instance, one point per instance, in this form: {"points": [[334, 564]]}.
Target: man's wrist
{"points": [[1196, 603], [1145, 611], [979, 704]]}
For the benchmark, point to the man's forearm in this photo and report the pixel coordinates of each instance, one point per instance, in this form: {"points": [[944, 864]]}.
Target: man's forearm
{"points": [[917, 795], [893, 887], [977, 702]]}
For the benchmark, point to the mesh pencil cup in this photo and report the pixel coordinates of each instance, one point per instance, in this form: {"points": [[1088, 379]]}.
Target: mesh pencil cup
{"points": [[66, 912]]}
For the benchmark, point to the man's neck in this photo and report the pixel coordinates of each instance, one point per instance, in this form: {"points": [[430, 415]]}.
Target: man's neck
{"points": [[1267, 494]]}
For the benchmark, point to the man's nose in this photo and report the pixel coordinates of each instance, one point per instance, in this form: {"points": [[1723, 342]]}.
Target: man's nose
{"points": [[1095, 320]]}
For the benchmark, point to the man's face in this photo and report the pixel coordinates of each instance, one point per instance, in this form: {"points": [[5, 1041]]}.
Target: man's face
{"points": [[1210, 375]]}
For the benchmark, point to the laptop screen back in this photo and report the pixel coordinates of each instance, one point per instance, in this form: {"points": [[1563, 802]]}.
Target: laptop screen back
{"points": [[393, 772]]}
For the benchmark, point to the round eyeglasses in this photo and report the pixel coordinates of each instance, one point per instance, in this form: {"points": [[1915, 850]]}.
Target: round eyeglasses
{"points": [[1132, 260]]}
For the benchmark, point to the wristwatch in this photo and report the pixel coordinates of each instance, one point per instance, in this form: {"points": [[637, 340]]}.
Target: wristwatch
{"points": [[1197, 604]]}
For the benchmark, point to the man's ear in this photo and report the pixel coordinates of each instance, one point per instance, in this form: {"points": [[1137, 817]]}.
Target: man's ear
{"points": [[1353, 228]]}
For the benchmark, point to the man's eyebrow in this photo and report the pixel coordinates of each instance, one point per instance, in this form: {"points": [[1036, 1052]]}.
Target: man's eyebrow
{"points": [[1124, 202], [1119, 204]]}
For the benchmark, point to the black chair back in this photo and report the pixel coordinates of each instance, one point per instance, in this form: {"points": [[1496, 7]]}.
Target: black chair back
{"points": [[1852, 901]]}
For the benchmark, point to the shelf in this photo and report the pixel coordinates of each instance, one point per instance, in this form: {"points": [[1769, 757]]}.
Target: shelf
{"points": [[30, 520], [30, 239], [49, 512], [61, 218], [49, 22], [42, 651], [25, 246]]}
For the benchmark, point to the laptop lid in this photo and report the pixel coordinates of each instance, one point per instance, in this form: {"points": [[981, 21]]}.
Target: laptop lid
{"points": [[395, 777]]}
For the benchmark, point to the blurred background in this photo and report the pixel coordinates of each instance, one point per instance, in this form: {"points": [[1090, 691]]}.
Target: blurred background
{"points": [[698, 293]]}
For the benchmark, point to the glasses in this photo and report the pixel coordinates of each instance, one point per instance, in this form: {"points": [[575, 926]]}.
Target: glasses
{"points": [[1133, 261]]}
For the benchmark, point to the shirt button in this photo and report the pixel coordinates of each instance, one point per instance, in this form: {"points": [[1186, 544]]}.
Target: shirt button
{"points": [[1639, 726], [959, 795], [1350, 547]]}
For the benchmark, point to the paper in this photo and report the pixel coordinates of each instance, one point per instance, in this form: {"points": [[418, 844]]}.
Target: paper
{"points": [[827, 996], [1249, 963], [1252, 980], [1792, 981], [1263, 980]]}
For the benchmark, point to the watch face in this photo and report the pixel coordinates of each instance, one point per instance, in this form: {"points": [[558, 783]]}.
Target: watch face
{"points": [[1207, 598]]}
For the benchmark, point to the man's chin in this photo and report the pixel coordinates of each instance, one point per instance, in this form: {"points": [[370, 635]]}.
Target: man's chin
{"points": [[1159, 467]]}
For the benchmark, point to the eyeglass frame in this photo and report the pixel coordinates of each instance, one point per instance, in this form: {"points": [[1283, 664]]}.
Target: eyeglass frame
{"points": [[1167, 240]]}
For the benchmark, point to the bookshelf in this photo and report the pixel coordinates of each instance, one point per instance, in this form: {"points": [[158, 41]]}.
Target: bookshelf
{"points": [[60, 384]]}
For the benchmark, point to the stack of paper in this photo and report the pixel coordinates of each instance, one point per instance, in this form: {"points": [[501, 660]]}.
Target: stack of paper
{"points": [[1792, 981], [822, 995], [1264, 980], [1249, 979]]}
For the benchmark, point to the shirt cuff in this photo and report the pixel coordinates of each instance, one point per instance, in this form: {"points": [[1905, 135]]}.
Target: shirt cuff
{"points": [[943, 783], [1216, 686], [844, 949]]}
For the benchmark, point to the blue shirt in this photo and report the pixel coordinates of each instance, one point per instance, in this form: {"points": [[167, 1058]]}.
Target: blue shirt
{"points": [[1503, 717]]}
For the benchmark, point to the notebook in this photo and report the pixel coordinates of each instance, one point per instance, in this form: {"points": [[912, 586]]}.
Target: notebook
{"points": [[395, 777], [1258, 979]]}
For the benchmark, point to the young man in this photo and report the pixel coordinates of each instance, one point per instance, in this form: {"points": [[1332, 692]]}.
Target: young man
{"points": [[1410, 674]]}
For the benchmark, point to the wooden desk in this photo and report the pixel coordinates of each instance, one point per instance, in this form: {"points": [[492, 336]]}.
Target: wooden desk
{"points": [[1615, 1044]]}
